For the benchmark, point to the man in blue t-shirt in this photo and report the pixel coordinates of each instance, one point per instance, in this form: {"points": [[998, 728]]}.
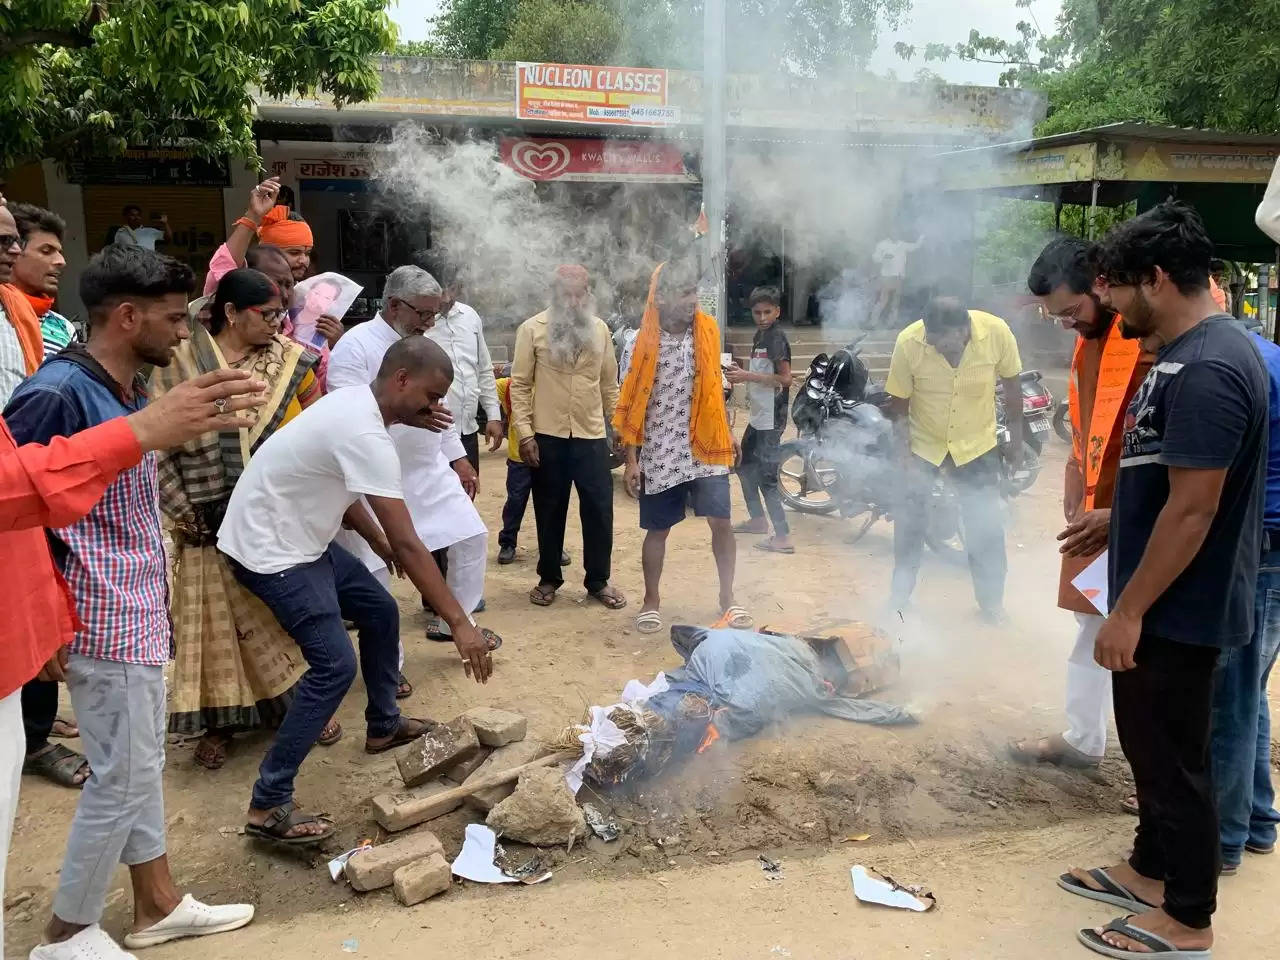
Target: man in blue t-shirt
{"points": [[1183, 566]]}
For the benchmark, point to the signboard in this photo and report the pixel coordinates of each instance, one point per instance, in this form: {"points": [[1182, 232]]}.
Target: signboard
{"points": [[149, 168], [638, 161], [328, 169], [1198, 163], [981, 169], [571, 93]]}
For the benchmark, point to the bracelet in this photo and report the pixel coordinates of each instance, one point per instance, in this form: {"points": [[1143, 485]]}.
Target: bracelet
{"points": [[246, 222]]}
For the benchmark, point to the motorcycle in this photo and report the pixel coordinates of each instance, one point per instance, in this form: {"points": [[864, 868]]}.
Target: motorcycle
{"points": [[843, 459], [1062, 421]]}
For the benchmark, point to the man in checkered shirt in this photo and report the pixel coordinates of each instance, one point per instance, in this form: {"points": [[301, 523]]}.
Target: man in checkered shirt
{"points": [[114, 564]]}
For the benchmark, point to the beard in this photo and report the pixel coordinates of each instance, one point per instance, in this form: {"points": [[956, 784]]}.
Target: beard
{"points": [[1138, 321], [1104, 317], [569, 331]]}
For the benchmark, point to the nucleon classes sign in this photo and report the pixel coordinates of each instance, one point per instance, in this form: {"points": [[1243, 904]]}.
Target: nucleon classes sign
{"points": [[568, 93], [637, 161]]}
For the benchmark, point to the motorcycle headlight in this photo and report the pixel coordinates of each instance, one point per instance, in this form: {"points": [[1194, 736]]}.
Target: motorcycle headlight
{"points": [[813, 392]]}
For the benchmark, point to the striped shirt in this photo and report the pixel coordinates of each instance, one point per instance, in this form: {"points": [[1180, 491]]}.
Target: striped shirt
{"points": [[56, 331], [13, 365]]}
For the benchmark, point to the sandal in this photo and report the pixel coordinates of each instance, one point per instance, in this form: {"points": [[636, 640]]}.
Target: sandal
{"points": [[1157, 945], [768, 546], [736, 618], [58, 764], [331, 734], [282, 819], [211, 751], [1116, 894], [1130, 805], [610, 598], [543, 595], [64, 729], [404, 733], [404, 689], [649, 621], [1054, 750]]}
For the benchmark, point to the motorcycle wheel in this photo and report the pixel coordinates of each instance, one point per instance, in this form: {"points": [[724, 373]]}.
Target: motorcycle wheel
{"points": [[1062, 423], [1026, 477], [805, 480]]}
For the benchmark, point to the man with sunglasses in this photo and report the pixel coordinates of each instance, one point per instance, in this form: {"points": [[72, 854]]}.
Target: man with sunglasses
{"points": [[1106, 370], [21, 346]]}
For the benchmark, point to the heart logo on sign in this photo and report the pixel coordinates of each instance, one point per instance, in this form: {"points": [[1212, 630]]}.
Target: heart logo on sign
{"points": [[540, 161]]}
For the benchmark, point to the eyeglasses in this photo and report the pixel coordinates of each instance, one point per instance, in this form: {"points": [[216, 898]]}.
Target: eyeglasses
{"points": [[423, 315], [271, 316], [8, 240], [1066, 317]]}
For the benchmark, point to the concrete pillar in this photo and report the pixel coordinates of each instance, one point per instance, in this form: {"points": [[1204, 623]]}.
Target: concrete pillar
{"points": [[67, 200]]}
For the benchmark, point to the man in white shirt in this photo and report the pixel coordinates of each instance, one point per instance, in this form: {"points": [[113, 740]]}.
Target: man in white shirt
{"points": [[439, 481], [460, 331], [133, 233], [891, 256], [278, 536], [13, 361]]}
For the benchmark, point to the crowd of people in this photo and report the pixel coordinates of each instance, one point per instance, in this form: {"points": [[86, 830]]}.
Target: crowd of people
{"points": [[185, 481]]}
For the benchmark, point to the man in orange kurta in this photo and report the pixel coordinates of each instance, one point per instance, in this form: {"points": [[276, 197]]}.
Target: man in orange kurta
{"points": [[1106, 370]]}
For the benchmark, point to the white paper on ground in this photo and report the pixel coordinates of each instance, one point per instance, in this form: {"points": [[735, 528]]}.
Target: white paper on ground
{"points": [[874, 889], [1092, 583], [637, 692], [598, 739], [475, 860], [339, 863]]}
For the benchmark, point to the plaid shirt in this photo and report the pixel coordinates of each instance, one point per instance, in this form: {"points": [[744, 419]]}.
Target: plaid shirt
{"points": [[113, 560]]}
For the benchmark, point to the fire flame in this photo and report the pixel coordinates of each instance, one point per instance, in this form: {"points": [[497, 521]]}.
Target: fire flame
{"points": [[712, 736]]}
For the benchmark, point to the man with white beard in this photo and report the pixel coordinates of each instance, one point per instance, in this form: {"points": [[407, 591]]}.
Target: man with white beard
{"points": [[564, 386], [439, 481]]}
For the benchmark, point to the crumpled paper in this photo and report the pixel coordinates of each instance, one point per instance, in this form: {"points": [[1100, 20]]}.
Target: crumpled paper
{"points": [[600, 737]]}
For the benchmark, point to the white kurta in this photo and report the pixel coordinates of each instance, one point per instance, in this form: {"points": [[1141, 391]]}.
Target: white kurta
{"points": [[442, 512]]}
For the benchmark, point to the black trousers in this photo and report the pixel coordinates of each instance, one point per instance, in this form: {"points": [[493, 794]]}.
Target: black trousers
{"points": [[1163, 716], [566, 464], [471, 444], [758, 473], [519, 486], [39, 710]]}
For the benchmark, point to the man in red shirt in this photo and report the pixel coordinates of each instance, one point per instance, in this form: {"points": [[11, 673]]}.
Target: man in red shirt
{"points": [[53, 486]]}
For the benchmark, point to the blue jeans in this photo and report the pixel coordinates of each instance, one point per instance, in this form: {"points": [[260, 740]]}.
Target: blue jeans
{"points": [[1241, 743], [311, 602]]}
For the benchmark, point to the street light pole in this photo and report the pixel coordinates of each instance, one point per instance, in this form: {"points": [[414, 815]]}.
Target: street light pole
{"points": [[714, 163]]}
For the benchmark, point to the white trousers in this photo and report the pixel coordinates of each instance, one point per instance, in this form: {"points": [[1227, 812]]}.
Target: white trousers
{"points": [[1088, 691], [12, 747], [468, 560]]}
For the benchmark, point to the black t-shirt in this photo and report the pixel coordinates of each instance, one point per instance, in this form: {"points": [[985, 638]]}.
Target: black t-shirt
{"points": [[1202, 406], [770, 348]]}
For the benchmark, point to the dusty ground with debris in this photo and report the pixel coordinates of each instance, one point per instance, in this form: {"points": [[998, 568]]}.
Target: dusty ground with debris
{"points": [[940, 801]]}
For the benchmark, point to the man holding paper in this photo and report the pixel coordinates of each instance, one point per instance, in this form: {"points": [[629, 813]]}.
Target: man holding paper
{"points": [[1106, 370]]}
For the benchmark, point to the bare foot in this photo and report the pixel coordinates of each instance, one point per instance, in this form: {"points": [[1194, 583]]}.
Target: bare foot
{"points": [[1146, 889], [1163, 926]]}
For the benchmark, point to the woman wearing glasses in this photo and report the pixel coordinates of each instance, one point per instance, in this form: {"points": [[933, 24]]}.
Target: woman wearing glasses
{"points": [[235, 666]]}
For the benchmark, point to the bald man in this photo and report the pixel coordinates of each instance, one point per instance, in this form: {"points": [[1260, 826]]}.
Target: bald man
{"points": [[278, 537]]}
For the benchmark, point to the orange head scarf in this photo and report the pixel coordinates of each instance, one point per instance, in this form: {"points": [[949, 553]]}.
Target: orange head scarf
{"points": [[709, 434], [276, 228]]}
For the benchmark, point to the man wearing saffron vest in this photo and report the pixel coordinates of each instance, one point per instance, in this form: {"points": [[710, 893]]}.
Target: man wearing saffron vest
{"points": [[1106, 370]]}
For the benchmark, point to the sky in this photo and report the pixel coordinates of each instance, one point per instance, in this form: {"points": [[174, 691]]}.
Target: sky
{"points": [[930, 21]]}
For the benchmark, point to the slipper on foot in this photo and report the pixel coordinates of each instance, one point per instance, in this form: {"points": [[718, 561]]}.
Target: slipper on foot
{"points": [[191, 918], [649, 621], [1116, 894], [91, 943], [1157, 945], [768, 546]]}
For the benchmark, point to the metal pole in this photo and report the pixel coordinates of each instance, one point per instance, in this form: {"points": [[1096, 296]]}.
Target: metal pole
{"points": [[714, 150], [1093, 208]]}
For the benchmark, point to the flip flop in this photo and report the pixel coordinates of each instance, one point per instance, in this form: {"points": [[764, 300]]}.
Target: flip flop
{"points": [[736, 618], [281, 820], [64, 733], [1116, 894], [332, 737], [542, 595], [1159, 946], [745, 527], [1130, 805], [401, 736], [649, 621], [614, 602], [404, 689], [768, 546], [1057, 752]]}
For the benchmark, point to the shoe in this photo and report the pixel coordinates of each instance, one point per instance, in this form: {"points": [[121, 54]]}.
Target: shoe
{"points": [[564, 559], [191, 918], [1259, 849], [480, 606], [506, 555], [91, 943], [996, 617]]}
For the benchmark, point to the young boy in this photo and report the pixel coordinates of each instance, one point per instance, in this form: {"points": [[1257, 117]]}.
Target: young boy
{"points": [[519, 476], [768, 376]]}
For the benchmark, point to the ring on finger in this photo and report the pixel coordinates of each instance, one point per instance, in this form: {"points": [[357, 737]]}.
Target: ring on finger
{"points": [[221, 405]]}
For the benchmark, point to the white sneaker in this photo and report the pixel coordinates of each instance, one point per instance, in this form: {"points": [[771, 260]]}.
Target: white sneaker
{"points": [[191, 918], [91, 943]]}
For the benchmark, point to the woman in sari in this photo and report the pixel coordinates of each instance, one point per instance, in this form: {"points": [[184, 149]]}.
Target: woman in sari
{"points": [[235, 666]]}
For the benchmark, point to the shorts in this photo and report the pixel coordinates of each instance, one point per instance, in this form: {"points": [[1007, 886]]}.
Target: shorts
{"points": [[709, 496]]}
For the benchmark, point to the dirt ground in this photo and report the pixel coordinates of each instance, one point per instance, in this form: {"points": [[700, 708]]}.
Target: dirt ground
{"points": [[941, 802]]}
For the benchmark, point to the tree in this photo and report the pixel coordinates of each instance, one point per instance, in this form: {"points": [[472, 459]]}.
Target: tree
{"points": [[87, 77], [561, 31]]}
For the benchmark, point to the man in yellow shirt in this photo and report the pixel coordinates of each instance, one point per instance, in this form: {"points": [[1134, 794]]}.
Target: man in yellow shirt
{"points": [[519, 476], [942, 378]]}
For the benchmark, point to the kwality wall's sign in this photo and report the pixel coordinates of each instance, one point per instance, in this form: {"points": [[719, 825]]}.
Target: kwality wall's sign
{"points": [[569, 93], [637, 161]]}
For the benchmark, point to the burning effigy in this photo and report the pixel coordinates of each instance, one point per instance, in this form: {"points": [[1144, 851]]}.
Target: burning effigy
{"points": [[733, 683]]}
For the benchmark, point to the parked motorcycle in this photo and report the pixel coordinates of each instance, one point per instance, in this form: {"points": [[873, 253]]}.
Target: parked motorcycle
{"points": [[843, 459], [1062, 421]]}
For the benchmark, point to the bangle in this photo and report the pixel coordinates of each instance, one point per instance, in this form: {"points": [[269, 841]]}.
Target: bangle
{"points": [[246, 222]]}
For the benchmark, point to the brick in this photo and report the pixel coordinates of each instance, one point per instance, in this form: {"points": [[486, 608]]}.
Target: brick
{"points": [[458, 773], [504, 758], [437, 750], [375, 869], [400, 811], [422, 880], [497, 728]]}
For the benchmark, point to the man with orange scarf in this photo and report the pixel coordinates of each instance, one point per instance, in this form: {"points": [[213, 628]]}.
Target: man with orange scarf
{"points": [[672, 421], [1106, 370], [21, 347]]}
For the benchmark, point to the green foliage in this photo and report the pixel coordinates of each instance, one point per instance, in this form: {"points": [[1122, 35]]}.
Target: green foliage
{"points": [[1013, 232], [86, 77], [799, 37]]}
